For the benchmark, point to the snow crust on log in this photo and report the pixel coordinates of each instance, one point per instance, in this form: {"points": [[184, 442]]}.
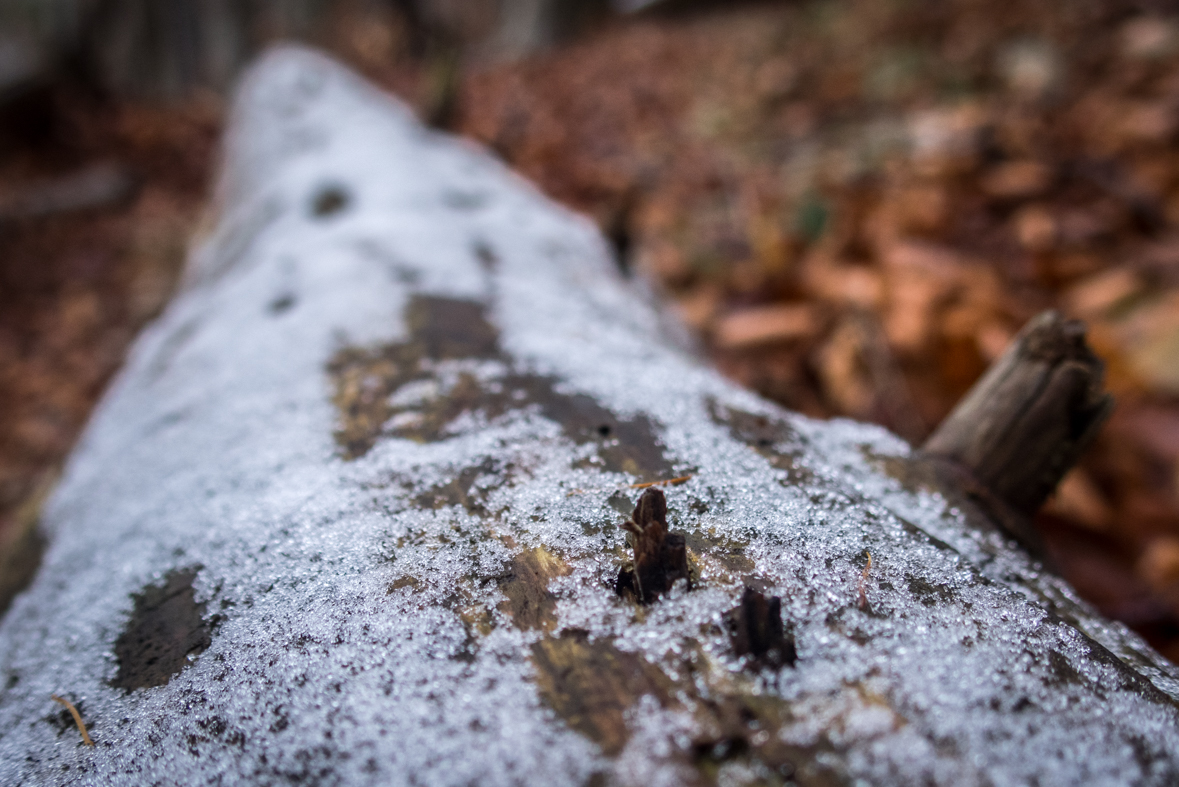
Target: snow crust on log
{"points": [[359, 633]]}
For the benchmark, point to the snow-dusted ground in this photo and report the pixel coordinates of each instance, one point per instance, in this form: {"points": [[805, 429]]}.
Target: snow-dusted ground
{"points": [[343, 648]]}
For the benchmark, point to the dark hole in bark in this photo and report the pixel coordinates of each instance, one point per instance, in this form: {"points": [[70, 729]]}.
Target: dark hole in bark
{"points": [[488, 259], [618, 230], [720, 751], [282, 304], [166, 628], [329, 201], [466, 200]]}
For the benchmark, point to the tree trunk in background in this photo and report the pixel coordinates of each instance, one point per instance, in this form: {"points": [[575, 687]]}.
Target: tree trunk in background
{"points": [[352, 514], [163, 49]]}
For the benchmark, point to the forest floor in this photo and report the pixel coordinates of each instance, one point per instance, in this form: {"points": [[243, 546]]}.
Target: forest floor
{"points": [[855, 204]]}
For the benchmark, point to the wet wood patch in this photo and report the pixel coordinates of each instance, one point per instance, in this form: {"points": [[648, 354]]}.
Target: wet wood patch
{"points": [[374, 398], [590, 684], [365, 378], [766, 435], [461, 490], [722, 557], [451, 328], [624, 445], [529, 602], [166, 628]]}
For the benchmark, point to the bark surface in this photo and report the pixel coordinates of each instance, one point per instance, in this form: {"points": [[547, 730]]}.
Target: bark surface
{"points": [[353, 514]]}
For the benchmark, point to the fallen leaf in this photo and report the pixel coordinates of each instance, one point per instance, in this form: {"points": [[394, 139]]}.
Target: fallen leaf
{"points": [[854, 285], [1159, 564], [1092, 298], [1035, 228], [1016, 180], [766, 325]]}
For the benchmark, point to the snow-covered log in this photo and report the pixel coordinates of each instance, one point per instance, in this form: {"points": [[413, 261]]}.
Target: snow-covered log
{"points": [[352, 515]]}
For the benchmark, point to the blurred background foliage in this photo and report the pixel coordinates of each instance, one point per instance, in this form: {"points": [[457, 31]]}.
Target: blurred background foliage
{"points": [[854, 204]]}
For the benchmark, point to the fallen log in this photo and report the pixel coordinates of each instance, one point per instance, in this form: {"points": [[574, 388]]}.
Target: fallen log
{"points": [[357, 511]]}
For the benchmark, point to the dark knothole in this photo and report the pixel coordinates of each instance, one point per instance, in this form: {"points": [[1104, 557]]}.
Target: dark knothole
{"points": [[756, 629], [660, 557], [488, 259], [282, 303], [466, 200], [167, 627], [329, 201]]}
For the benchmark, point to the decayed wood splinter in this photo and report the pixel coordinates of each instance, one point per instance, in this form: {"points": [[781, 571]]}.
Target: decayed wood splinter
{"points": [[660, 557], [77, 718], [756, 630]]}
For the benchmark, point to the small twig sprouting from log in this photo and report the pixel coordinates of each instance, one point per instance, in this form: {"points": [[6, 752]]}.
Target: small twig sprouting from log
{"points": [[1025, 423], [755, 629], [668, 482], [660, 557], [77, 718]]}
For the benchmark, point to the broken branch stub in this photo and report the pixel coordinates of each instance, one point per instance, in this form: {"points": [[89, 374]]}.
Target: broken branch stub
{"points": [[1026, 422], [321, 530], [756, 629], [660, 557]]}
